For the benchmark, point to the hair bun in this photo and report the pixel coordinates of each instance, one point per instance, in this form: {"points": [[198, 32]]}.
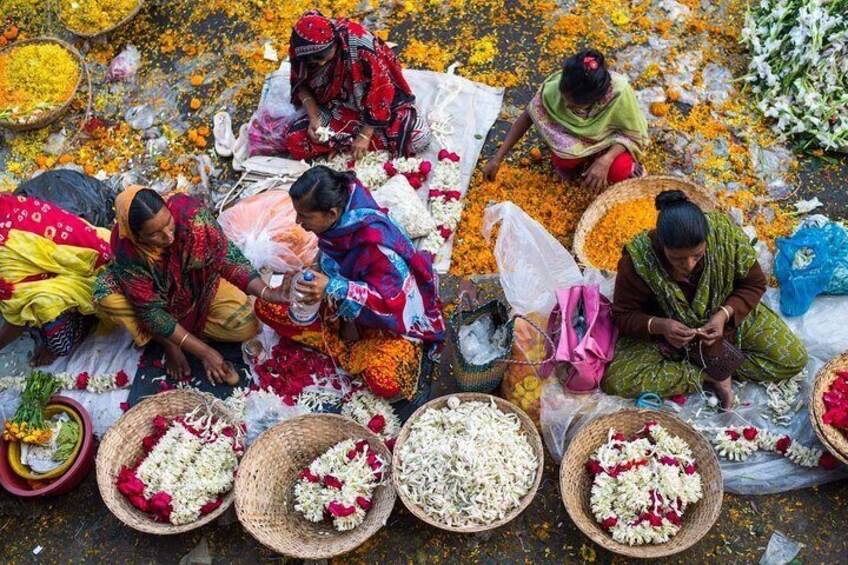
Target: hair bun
{"points": [[668, 198]]}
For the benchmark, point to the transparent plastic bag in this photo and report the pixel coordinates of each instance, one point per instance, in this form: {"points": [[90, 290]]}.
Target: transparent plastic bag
{"points": [[269, 125], [405, 207], [263, 227], [265, 410], [532, 264], [125, 65], [522, 384]]}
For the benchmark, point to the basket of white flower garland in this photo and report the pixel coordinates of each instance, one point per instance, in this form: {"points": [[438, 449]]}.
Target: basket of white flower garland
{"points": [[183, 418], [645, 478], [315, 487]]}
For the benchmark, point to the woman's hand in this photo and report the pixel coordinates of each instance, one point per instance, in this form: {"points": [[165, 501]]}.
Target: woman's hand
{"points": [[713, 332], [675, 333], [490, 169], [360, 146], [595, 177], [275, 294], [312, 131], [313, 291], [213, 362]]}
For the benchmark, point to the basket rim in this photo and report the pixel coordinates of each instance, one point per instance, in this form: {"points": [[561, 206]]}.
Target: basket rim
{"points": [[618, 193], [834, 440], [504, 405], [644, 551], [54, 114], [374, 442], [106, 481], [85, 35]]}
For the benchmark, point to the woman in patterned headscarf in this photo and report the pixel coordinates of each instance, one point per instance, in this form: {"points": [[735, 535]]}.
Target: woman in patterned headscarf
{"points": [[350, 82]]}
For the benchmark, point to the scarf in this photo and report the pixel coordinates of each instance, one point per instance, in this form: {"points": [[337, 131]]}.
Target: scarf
{"points": [[615, 119], [729, 257]]}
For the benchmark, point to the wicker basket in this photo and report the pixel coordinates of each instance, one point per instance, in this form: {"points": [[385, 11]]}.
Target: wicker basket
{"points": [[833, 439], [122, 446], [526, 425], [129, 16], [575, 481], [477, 378], [267, 477], [634, 189], [54, 114]]}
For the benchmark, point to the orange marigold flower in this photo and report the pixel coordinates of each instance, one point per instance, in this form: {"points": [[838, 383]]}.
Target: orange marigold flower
{"points": [[194, 104]]}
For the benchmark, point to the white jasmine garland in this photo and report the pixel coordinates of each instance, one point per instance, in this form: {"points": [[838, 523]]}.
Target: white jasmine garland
{"points": [[783, 397], [104, 382], [445, 202], [363, 406], [370, 169], [467, 463], [738, 443]]}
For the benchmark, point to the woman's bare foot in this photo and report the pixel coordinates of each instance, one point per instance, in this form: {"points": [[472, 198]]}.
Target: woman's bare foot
{"points": [[176, 364], [724, 392], [42, 356]]}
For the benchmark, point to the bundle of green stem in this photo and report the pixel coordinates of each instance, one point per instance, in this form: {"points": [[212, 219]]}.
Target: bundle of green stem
{"points": [[28, 424]]}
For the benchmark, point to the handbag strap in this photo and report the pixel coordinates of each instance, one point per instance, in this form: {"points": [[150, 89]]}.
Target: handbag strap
{"points": [[547, 339]]}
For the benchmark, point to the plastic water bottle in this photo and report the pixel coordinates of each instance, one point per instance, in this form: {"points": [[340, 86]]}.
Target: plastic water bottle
{"points": [[300, 313]]}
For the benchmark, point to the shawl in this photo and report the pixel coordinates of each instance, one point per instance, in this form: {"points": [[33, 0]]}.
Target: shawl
{"points": [[616, 118], [729, 257], [382, 266]]}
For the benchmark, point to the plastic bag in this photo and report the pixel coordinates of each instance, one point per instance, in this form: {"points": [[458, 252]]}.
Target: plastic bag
{"points": [[405, 207], [480, 342], [264, 229], [125, 65], [780, 550], [531, 263], [266, 410], [522, 384], [74, 192], [813, 261], [269, 125]]}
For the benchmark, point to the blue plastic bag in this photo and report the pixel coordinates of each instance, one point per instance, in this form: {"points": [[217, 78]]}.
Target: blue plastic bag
{"points": [[813, 261]]}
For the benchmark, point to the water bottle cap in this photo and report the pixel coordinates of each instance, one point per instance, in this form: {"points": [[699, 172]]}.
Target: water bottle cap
{"points": [[308, 276]]}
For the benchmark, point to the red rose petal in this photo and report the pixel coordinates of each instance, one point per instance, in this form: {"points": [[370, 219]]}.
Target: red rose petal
{"points": [[750, 433], [339, 510], [122, 379]]}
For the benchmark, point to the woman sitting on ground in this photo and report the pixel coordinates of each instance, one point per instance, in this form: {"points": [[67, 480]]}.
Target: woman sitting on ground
{"points": [[350, 81], [380, 306], [176, 279], [684, 289], [49, 259], [589, 118]]}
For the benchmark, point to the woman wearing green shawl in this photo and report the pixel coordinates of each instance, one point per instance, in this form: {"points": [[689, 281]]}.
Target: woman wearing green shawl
{"points": [[589, 118], [681, 292]]}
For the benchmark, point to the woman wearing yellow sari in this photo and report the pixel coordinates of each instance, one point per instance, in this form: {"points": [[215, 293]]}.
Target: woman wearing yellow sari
{"points": [[49, 259]]}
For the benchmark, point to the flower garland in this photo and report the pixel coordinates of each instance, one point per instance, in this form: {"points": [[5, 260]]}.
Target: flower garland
{"points": [[188, 464], [836, 403], [467, 463], [375, 168], [737, 444], [642, 485], [81, 381], [445, 202], [340, 484], [782, 398], [375, 413]]}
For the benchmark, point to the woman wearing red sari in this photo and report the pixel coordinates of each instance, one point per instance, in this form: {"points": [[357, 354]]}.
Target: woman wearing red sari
{"points": [[349, 81]]}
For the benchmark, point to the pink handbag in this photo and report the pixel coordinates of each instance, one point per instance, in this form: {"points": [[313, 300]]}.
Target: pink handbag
{"points": [[581, 325]]}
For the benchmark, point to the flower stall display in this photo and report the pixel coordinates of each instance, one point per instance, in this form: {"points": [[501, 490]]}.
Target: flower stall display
{"points": [[105, 382], [618, 226], [797, 68], [28, 424], [94, 16], [466, 464], [36, 78], [642, 485], [375, 413], [736, 443], [836, 403], [445, 201], [188, 465], [339, 484]]}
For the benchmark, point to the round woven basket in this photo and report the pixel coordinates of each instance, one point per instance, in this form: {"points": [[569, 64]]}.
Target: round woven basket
{"points": [[51, 115], [269, 472], [86, 35], [831, 437], [576, 483], [634, 189], [527, 427], [122, 446]]}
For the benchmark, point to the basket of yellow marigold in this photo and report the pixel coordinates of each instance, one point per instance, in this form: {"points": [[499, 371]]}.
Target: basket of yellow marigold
{"points": [[38, 80], [92, 18], [623, 211]]}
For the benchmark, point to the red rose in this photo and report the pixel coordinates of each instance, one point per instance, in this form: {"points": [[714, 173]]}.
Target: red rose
{"points": [[674, 518], [160, 503], [445, 232], [648, 426], [679, 399], [732, 434], [210, 507], [783, 444], [228, 432], [149, 442], [666, 460], [390, 443], [425, 168], [339, 510], [750, 433], [332, 482], [373, 462], [363, 503], [139, 502], [307, 474], [443, 154], [609, 523], [594, 467], [390, 169], [129, 484], [158, 363], [415, 181], [377, 424], [361, 445], [689, 469], [124, 406], [827, 461], [82, 381], [165, 385], [619, 437], [121, 379], [655, 520]]}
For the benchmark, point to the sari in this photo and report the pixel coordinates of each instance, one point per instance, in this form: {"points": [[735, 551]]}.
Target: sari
{"points": [[178, 284], [772, 352], [615, 119], [362, 85], [381, 283]]}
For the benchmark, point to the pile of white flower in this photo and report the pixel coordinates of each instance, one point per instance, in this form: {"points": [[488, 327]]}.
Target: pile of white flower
{"points": [[340, 483], [799, 67], [642, 485], [467, 464]]}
